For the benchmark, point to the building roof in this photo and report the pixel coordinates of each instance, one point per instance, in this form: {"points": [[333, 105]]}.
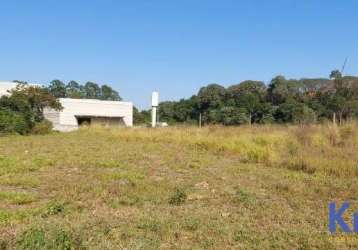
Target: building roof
{"points": [[93, 101]]}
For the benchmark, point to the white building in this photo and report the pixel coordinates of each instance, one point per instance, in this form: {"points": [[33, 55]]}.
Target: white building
{"points": [[77, 112], [84, 111]]}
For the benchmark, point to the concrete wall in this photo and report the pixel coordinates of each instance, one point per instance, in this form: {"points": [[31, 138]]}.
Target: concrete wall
{"points": [[66, 120], [107, 121]]}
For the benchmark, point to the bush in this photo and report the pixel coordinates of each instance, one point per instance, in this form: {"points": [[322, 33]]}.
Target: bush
{"points": [[55, 208], [11, 122], [178, 197], [62, 240], [3, 244], [53, 237], [23, 109], [34, 238], [42, 128]]}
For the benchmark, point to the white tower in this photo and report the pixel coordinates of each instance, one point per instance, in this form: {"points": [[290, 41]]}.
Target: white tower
{"points": [[155, 102]]}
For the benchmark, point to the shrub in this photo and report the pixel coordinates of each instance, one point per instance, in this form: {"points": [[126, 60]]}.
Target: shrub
{"points": [[150, 224], [55, 208], [191, 224], [3, 244], [42, 128], [23, 108], [62, 240], [53, 237], [34, 238], [11, 122], [241, 196], [178, 197]]}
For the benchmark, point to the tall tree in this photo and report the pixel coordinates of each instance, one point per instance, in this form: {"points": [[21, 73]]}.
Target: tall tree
{"points": [[233, 116], [57, 88], [248, 95], [335, 74], [166, 111], [92, 90], [210, 99], [141, 117], [73, 90], [107, 93], [280, 89]]}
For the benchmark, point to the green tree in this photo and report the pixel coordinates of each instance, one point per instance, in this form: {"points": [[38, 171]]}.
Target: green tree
{"points": [[294, 112], [343, 99], [166, 111], [234, 116], [335, 74], [210, 99], [185, 110], [265, 113], [23, 108], [280, 89], [92, 90], [107, 93], [248, 95], [211, 96], [57, 88], [73, 90], [141, 117], [13, 122]]}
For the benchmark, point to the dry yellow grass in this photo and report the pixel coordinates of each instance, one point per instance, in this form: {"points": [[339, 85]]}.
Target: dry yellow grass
{"points": [[264, 187]]}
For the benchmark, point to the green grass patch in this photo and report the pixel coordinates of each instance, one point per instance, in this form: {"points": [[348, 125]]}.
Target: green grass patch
{"points": [[17, 198]]}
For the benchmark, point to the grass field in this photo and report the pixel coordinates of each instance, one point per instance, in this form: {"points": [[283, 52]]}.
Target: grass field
{"points": [[264, 187]]}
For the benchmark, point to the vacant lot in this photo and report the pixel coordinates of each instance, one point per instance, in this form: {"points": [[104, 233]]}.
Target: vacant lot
{"points": [[177, 188]]}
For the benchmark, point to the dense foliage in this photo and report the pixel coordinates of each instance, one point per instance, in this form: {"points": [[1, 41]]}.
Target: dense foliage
{"points": [[282, 101], [90, 90], [22, 110], [141, 117]]}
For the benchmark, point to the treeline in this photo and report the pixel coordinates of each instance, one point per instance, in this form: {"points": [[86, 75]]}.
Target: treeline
{"points": [[281, 101], [90, 90]]}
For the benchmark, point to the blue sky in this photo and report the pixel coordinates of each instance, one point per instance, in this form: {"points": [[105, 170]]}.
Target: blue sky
{"points": [[175, 47]]}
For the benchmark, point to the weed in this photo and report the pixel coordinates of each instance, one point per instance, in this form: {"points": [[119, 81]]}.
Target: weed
{"points": [[191, 224], [33, 238], [48, 237], [150, 224], [242, 236], [55, 208], [62, 240], [241, 196], [178, 197]]}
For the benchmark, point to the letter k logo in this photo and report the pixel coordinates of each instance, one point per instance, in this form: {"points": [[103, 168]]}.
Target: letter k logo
{"points": [[336, 217]]}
